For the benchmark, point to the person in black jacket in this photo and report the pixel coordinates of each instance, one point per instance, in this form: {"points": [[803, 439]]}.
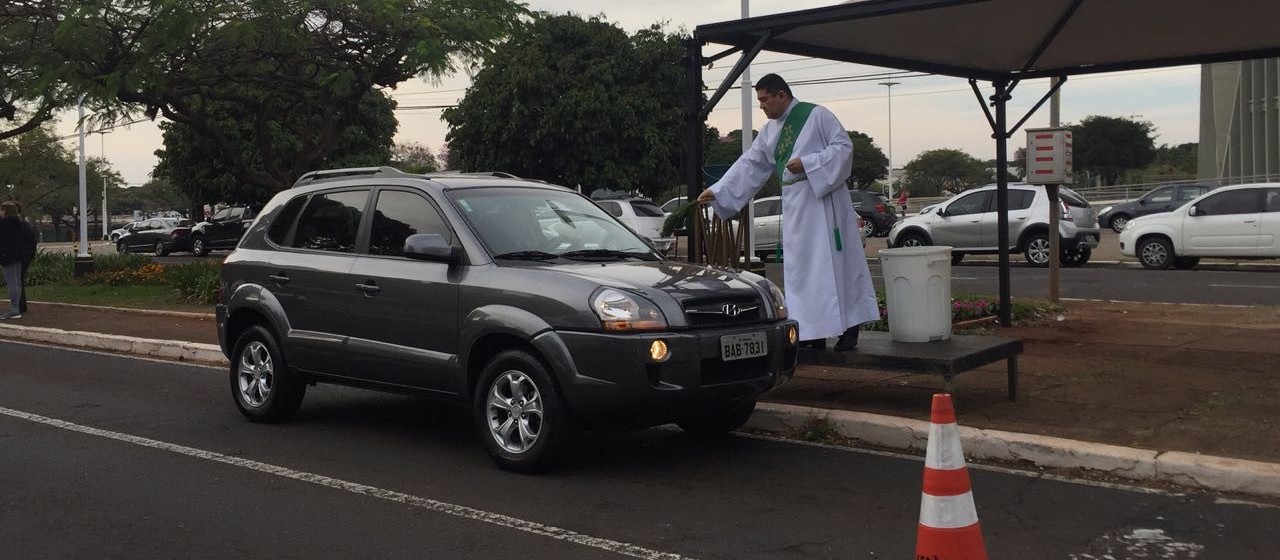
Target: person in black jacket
{"points": [[17, 250]]}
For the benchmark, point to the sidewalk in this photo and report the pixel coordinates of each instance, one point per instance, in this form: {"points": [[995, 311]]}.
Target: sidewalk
{"points": [[1149, 382]]}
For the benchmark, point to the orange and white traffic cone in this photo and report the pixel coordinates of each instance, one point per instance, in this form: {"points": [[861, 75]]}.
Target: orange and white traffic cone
{"points": [[948, 518]]}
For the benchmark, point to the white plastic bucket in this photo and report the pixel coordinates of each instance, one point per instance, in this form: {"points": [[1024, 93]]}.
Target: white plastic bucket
{"points": [[917, 284]]}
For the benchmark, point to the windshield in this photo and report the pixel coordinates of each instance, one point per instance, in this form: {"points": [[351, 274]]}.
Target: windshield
{"points": [[536, 224]]}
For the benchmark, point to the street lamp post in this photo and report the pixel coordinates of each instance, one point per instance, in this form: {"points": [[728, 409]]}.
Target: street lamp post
{"points": [[103, 153], [890, 85]]}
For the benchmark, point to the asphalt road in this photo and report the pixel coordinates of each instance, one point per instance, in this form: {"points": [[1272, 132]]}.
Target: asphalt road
{"points": [[1120, 282], [115, 457]]}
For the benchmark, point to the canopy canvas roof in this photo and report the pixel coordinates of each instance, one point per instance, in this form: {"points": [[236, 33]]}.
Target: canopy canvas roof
{"points": [[996, 41]]}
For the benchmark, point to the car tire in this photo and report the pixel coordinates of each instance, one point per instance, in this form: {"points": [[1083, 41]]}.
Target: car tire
{"points": [[1155, 253], [720, 422], [1118, 222], [956, 258], [1076, 257], [1186, 263], [160, 249], [261, 384], [198, 246], [1036, 249], [514, 382], [121, 247], [868, 228], [912, 239]]}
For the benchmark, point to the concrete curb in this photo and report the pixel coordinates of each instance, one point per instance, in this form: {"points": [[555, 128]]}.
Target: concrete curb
{"points": [[166, 349], [1206, 472], [159, 312]]}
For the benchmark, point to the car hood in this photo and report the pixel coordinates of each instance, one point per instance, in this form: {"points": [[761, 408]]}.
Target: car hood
{"points": [[680, 281]]}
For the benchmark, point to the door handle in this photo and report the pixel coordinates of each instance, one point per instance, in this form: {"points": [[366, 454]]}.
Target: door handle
{"points": [[1251, 221], [369, 288], [279, 278]]}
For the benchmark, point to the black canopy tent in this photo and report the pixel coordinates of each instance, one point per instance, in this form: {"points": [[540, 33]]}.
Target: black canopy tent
{"points": [[998, 41]]}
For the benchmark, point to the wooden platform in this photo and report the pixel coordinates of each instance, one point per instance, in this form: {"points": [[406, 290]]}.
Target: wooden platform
{"points": [[948, 358]]}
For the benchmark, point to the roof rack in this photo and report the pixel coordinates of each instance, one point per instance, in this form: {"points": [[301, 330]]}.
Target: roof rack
{"points": [[333, 174]]}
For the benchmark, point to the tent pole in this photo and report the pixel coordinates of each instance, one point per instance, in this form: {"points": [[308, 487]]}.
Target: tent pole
{"points": [[693, 135], [1000, 98]]}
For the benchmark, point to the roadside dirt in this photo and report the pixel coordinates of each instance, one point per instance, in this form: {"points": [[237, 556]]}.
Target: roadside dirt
{"points": [[1162, 377]]}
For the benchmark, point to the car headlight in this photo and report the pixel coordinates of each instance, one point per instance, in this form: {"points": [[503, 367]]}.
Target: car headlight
{"points": [[620, 311], [1105, 210], [779, 301]]}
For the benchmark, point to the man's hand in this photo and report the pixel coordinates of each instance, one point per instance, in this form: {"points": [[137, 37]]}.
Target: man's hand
{"points": [[706, 196], [795, 166]]}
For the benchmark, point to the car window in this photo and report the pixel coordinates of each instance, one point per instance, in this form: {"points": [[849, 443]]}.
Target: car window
{"points": [[770, 208], [1273, 201], [1072, 198], [1020, 199], [155, 224], [971, 203], [1161, 195], [1188, 193], [235, 214], [1244, 201], [330, 221], [399, 214], [221, 215], [646, 209], [612, 208], [514, 220], [672, 205], [278, 233]]}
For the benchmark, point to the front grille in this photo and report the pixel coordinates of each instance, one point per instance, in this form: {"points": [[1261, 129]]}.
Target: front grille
{"points": [[716, 371], [723, 311]]}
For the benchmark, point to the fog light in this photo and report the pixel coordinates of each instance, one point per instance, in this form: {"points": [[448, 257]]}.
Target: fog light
{"points": [[792, 336], [658, 351]]}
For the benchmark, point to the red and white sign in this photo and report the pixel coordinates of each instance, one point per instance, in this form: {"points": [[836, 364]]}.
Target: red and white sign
{"points": [[1049, 156]]}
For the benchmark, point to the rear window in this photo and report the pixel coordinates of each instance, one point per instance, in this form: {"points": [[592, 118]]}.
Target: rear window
{"points": [[1071, 198], [279, 231], [646, 209]]}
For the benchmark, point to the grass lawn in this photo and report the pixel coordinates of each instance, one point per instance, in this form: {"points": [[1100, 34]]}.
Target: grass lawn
{"points": [[131, 296]]}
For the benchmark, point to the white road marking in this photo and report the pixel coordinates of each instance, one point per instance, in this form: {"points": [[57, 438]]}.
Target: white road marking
{"points": [[1244, 286], [361, 489]]}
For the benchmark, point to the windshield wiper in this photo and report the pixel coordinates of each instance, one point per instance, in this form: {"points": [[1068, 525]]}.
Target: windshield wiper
{"points": [[528, 256], [608, 253]]}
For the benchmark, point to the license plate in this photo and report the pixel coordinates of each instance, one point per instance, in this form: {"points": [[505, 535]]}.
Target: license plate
{"points": [[743, 346]]}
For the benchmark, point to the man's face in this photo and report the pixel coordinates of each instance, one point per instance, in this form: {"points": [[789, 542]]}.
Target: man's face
{"points": [[773, 104]]}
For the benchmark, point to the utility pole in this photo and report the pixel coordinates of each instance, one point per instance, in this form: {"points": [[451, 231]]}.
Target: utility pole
{"points": [[83, 262], [890, 175], [1055, 206], [747, 137], [106, 228]]}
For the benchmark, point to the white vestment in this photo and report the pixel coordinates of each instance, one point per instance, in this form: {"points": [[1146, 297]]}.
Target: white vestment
{"points": [[827, 290]]}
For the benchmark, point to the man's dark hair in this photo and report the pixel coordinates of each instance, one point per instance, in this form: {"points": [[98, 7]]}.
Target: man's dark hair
{"points": [[773, 83]]}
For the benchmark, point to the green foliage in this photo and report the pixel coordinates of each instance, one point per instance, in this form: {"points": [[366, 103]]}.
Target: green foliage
{"points": [[109, 262], [1179, 161], [933, 171], [38, 170], [414, 158], [680, 219], [32, 85], [576, 102], [869, 163], [196, 282], [1107, 146], [50, 268]]}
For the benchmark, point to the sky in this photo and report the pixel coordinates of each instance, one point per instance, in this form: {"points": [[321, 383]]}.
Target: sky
{"points": [[927, 112]]}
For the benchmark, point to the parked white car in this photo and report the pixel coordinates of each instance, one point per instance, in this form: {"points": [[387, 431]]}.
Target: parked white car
{"points": [[117, 233], [672, 204], [1240, 222], [642, 216]]}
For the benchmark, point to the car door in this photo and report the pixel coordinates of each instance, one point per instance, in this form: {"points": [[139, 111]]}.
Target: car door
{"points": [[1269, 224], [1157, 201], [405, 329], [1020, 213], [1224, 224], [960, 223], [310, 276], [767, 223], [144, 236]]}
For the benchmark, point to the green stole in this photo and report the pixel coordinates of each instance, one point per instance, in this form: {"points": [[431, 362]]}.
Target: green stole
{"points": [[782, 152]]}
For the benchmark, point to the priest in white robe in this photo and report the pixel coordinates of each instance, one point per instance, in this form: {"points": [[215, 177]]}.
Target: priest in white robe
{"points": [[828, 284]]}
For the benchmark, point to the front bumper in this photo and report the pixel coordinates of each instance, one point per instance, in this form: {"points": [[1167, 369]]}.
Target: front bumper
{"points": [[610, 380]]}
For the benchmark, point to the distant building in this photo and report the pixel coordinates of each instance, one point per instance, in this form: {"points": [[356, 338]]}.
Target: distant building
{"points": [[1240, 121]]}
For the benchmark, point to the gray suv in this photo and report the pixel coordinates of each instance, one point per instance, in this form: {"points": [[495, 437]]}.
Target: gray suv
{"points": [[969, 224], [525, 300]]}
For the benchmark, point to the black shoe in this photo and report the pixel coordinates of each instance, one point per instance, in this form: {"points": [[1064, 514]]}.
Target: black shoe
{"points": [[848, 340], [817, 343]]}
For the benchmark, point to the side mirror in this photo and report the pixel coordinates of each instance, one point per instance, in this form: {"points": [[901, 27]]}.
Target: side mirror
{"points": [[1194, 210], [943, 212], [430, 247], [1142, 201]]}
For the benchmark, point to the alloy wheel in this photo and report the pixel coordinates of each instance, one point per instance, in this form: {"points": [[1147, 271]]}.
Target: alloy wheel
{"points": [[1155, 255], [514, 411], [256, 374], [1118, 223], [1038, 251]]}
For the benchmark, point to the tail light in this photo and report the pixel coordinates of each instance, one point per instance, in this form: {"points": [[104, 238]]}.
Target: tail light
{"points": [[1066, 211], [882, 209]]}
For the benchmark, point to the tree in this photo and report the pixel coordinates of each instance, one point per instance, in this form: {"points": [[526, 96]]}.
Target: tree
{"points": [[869, 162], [156, 195], [42, 174], [414, 158], [1174, 161], [576, 102], [32, 84], [294, 68], [185, 161], [934, 171], [1108, 146]]}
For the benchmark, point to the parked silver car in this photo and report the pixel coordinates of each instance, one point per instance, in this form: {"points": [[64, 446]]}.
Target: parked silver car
{"points": [[968, 223]]}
